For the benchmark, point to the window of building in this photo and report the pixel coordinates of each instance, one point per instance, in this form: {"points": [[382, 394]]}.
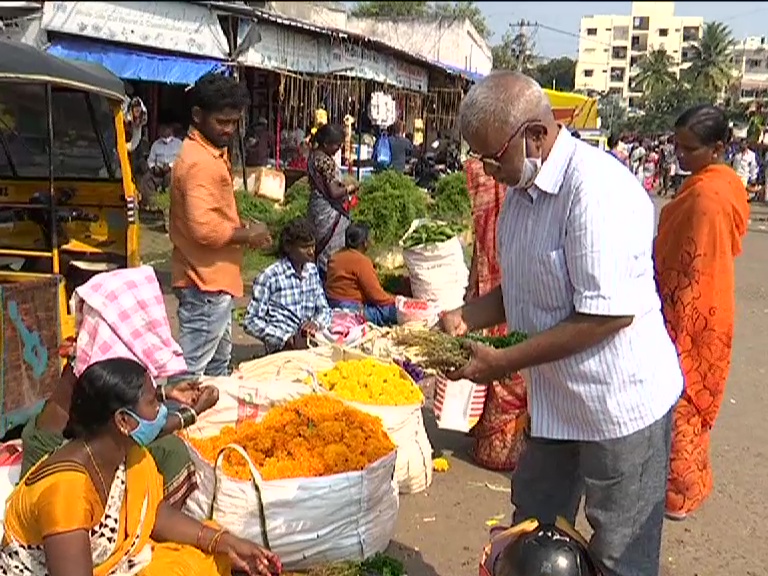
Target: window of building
{"points": [[753, 63], [589, 50], [621, 33], [641, 23], [589, 73], [617, 74], [663, 32], [690, 33], [615, 91], [591, 31], [619, 53], [687, 55], [640, 43]]}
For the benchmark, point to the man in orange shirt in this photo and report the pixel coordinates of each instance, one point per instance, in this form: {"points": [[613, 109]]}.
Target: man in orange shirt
{"points": [[205, 229]]}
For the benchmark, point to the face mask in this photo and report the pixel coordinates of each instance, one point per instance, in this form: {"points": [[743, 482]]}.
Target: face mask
{"points": [[148, 430], [531, 168]]}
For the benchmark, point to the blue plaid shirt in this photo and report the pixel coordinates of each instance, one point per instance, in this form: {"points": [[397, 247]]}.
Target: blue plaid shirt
{"points": [[282, 301]]}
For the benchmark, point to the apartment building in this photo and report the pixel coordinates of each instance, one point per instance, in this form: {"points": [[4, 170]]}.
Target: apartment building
{"points": [[750, 59], [611, 46]]}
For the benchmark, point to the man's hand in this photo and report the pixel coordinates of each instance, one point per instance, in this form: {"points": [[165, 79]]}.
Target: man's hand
{"points": [[486, 365], [207, 398], [258, 235], [452, 323], [309, 328], [186, 393]]}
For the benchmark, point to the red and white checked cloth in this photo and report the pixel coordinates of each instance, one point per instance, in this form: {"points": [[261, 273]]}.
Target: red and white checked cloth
{"points": [[121, 314]]}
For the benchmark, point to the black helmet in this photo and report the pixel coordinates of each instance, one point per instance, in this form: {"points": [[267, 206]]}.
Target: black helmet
{"points": [[533, 549]]}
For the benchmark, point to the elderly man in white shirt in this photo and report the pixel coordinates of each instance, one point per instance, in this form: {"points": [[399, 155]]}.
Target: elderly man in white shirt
{"points": [[744, 163], [575, 241], [162, 155]]}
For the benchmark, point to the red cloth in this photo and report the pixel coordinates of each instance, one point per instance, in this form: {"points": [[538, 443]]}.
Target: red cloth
{"points": [[487, 199]]}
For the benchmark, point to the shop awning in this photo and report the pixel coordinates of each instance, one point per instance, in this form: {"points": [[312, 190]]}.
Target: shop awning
{"points": [[134, 63]]}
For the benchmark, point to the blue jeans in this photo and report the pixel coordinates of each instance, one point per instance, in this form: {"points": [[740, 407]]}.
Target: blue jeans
{"points": [[373, 313], [205, 331]]}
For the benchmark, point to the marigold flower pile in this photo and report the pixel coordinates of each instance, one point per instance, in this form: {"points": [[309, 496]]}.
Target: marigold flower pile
{"points": [[369, 381], [316, 435]]}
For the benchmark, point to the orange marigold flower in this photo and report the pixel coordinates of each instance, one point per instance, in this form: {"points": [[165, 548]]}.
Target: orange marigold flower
{"points": [[316, 435]]}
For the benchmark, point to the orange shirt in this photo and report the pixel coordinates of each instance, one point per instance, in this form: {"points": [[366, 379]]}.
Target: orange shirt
{"points": [[352, 277], [203, 219]]}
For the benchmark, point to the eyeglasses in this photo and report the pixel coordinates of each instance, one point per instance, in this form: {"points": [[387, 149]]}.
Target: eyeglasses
{"points": [[493, 160]]}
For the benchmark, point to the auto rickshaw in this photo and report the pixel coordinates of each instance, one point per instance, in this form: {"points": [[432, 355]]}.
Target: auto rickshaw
{"points": [[68, 209]]}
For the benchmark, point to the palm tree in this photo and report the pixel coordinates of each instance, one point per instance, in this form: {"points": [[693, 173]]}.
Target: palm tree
{"points": [[711, 65], [655, 71]]}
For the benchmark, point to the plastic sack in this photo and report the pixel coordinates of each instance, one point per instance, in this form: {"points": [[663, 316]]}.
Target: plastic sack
{"points": [[411, 311], [306, 521], [438, 272]]}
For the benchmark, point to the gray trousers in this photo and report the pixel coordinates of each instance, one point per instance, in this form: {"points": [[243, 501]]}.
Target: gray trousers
{"points": [[623, 482]]}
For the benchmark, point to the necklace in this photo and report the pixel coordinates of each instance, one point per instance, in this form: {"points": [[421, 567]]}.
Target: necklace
{"points": [[98, 470]]}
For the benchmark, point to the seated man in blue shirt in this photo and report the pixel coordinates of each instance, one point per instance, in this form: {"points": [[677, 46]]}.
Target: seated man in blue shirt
{"points": [[288, 303], [162, 155]]}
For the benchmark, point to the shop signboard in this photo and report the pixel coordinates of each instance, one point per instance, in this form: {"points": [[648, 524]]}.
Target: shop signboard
{"points": [[180, 27], [277, 47], [281, 48]]}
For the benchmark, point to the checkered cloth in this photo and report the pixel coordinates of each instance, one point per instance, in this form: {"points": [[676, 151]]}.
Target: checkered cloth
{"points": [[121, 314]]}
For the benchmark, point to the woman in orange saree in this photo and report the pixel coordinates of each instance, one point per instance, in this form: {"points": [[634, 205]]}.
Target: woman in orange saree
{"points": [[95, 506], [698, 239], [499, 432]]}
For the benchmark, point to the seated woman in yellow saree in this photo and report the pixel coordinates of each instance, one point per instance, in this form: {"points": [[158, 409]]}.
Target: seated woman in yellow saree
{"points": [[95, 506]]}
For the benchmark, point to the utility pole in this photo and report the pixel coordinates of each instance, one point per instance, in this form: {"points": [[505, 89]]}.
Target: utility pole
{"points": [[523, 48]]}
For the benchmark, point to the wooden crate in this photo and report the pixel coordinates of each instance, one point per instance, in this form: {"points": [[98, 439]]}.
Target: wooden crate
{"points": [[29, 343]]}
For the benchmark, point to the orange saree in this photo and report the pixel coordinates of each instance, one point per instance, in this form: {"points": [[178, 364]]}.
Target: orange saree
{"points": [[699, 236], [499, 432]]}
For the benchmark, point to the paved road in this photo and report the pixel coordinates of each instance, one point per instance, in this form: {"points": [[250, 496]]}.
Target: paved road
{"points": [[441, 532]]}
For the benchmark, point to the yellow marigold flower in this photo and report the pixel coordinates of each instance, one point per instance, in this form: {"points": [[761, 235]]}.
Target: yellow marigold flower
{"points": [[316, 435], [370, 382], [440, 465]]}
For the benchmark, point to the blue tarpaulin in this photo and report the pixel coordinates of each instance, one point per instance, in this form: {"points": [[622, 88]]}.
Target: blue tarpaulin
{"points": [[135, 63], [468, 74]]}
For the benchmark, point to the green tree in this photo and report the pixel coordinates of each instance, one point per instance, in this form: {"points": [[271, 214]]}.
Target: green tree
{"points": [[465, 9], [515, 51], [612, 113], [459, 10], [655, 72], [711, 65], [391, 9], [661, 107], [558, 73]]}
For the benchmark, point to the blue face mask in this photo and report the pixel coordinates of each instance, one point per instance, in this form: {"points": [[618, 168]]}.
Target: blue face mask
{"points": [[148, 430]]}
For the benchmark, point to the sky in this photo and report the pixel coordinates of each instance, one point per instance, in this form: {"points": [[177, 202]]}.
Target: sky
{"points": [[744, 18]]}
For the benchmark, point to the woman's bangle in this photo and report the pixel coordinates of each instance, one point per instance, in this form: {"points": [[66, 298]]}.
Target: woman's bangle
{"points": [[212, 546], [187, 415], [199, 541]]}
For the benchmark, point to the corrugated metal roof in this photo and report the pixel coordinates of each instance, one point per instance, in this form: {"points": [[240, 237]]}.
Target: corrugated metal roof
{"points": [[240, 9]]}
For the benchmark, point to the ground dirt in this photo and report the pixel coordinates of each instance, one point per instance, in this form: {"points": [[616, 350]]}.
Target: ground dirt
{"points": [[442, 531]]}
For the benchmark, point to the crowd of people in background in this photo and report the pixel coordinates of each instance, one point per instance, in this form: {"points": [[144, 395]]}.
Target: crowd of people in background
{"points": [[654, 163]]}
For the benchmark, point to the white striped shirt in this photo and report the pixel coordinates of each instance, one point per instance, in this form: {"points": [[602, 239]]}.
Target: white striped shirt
{"points": [[580, 240]]}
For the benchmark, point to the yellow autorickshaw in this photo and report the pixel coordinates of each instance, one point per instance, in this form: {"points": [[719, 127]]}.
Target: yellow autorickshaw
{"points": [[68, 209]]}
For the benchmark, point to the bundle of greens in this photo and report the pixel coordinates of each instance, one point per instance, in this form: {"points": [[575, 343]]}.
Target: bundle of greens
{"points": [[443, 353], [432, 233]]}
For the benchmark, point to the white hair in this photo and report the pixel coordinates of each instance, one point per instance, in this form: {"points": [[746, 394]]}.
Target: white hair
{"points": [[503, 98]]}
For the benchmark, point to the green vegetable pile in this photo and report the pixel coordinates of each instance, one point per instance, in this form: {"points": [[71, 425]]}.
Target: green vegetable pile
{"points": [[377, 565], [443, 353], [388, 203], [432, 233], [451, 199], [499, 341]]}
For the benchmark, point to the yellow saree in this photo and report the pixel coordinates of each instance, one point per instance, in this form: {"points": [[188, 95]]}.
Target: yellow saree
{"points": [[61, 497]]}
